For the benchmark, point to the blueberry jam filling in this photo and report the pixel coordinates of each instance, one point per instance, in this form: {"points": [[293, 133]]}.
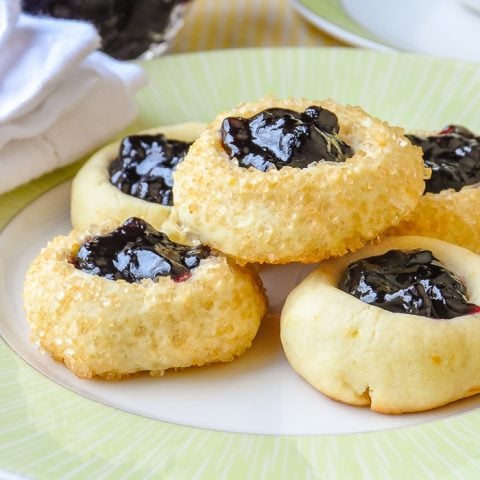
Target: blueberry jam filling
{"points": [[128, 27], [144, 167], [277, 138], [413, 282], [136, 251], [454, 157]]}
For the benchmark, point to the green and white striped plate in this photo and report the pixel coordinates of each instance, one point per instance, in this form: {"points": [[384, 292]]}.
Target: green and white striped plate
{"points": [[48, 431]]}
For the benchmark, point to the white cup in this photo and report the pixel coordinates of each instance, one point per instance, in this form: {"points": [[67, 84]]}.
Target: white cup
{"points": [[473, 4]]}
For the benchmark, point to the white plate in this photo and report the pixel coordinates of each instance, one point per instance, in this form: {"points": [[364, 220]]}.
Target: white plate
{"points": [[446, 28], [258, 393]]}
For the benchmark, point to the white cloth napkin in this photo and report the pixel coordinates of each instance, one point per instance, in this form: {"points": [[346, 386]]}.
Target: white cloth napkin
{"points": [[59, 99], [9, 12]]}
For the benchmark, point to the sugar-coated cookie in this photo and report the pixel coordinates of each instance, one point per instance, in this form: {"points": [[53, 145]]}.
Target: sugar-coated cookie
{"points": [[143, 189], [363, 354], [449, 210], [278, 181], [129, 300]]}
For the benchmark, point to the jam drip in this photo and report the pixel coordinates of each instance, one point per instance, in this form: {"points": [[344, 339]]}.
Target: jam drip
{"points": [[277, 138], [144, 167], [413, 282], [454, 157], [136, 251]]}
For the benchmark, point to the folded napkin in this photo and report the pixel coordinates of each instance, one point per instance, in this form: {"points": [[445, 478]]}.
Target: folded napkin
{"points": [[9, 12], [59, 99]]}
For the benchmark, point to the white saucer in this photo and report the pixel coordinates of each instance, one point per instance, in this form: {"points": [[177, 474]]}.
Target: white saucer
{"points": [[446, 28]]}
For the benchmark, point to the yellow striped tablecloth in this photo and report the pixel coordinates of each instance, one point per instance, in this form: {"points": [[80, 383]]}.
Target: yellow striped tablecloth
{"points": [[213, 24]]}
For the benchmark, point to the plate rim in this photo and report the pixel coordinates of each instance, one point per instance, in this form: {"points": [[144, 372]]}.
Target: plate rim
{"points": [[336, 26], [371, 453]]}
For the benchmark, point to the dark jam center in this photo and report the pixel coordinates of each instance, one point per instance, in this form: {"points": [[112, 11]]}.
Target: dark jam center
{"points": [[277, 138], [144, 167], [136, 251], [454, 157], [413, 282]]}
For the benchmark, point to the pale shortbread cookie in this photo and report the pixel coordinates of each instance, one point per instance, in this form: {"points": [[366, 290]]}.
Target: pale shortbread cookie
{"points": [[114, 328], [295, 214], [449, 215], [363, 355], [95, 200]]}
